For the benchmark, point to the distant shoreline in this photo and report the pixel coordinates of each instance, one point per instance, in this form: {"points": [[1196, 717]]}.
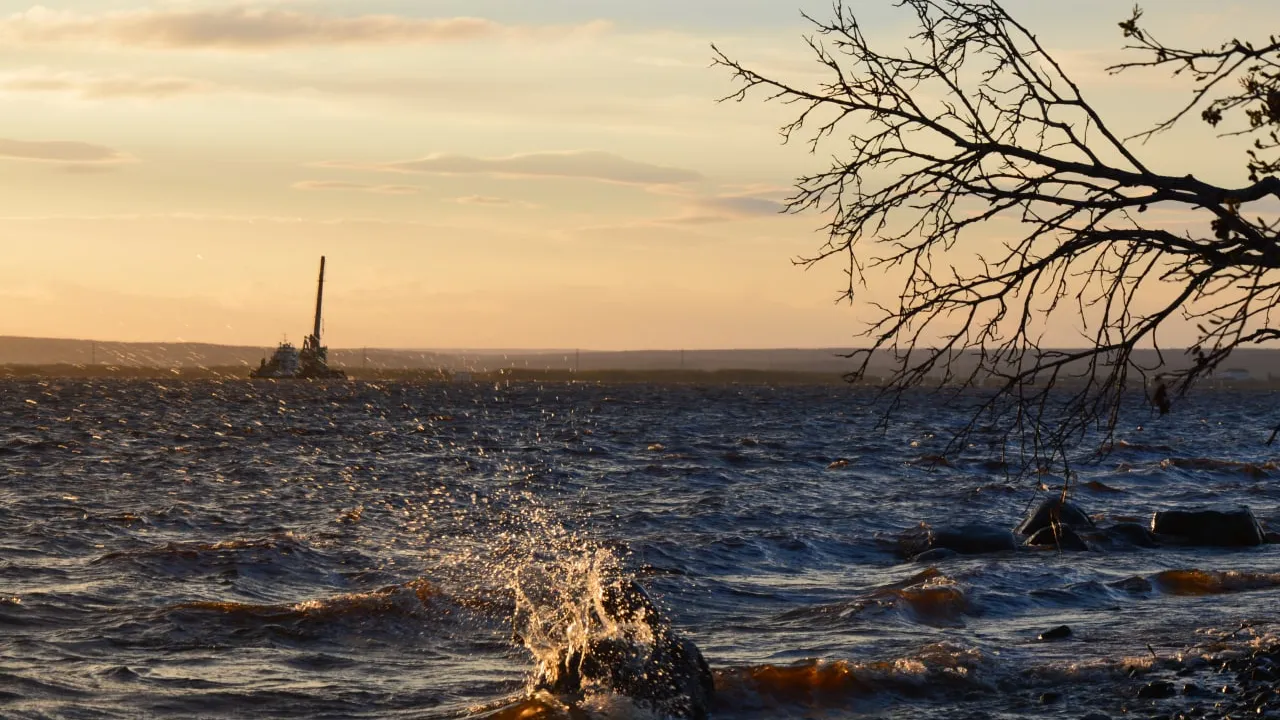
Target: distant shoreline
{"points": [[137, 372], [69, 371]]}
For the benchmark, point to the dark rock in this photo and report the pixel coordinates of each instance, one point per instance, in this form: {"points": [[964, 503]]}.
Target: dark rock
{"points": [[972, 539], [1192, 690], [1219, 528], [1096, 716], [1061, 632], [1261, 674], [1061, 537], [665, 672], [1271, 537], [1050, 697], [1132, 533], [1156, 690], [1051, 511]]}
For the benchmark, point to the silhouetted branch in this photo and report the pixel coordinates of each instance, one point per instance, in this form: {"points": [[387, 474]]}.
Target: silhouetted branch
{"points": [[1253, 70], [977, 178]]}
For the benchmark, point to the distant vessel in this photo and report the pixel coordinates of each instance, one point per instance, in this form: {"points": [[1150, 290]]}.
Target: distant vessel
{"points": [[311, 362]]}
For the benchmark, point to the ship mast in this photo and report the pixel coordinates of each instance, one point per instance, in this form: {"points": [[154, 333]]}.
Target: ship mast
{"points": [[319, 301]]}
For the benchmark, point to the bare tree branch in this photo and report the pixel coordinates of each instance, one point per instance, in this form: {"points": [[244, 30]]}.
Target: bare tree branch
{"points": [[979, 189]]}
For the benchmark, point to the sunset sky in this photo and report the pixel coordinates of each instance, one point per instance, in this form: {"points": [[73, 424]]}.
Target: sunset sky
{"points": [[480, 173]]}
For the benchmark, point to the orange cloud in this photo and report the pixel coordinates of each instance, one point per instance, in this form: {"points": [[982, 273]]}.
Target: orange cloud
{"points": [[340, 185], [579, 164], [102, 87], [242, 28], [60, 151], [490, 201]]}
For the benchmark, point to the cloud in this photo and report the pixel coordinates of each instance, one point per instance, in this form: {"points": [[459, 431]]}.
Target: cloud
{"points": [[102, 87], [727, 207], [490, 201], [741, 206], [59, 151], [340, 185], [582, 164], [248, 28]]}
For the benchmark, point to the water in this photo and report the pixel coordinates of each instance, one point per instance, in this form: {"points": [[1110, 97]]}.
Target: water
{"points": [[240, 549]]}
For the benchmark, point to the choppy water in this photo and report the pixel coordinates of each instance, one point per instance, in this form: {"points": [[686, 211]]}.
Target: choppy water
{"points": [[293, 550]]}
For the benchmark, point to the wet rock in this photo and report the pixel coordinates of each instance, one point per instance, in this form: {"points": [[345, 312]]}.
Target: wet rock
{"points": [[1096, 716], [1051, 511], [973, 539], [663, 672], [1219, 528], [1157, 690], [1061, 632], [1061, 537], [1050, 697], [1271, 537], [1131, 534], [1261, 674]]}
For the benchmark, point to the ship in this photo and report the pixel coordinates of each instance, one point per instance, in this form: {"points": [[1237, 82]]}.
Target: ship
{"points": [[309, 363]]}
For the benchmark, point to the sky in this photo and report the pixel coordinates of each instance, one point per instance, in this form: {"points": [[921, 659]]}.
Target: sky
{"points": [[479, 173]]}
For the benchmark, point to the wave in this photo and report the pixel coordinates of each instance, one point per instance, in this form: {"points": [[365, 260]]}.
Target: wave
{"points": [[284, 543], [1136, 447], [1214, 464], [928, 598], [406, 599], [936, 670], [1211, 582], [1100, 487]]}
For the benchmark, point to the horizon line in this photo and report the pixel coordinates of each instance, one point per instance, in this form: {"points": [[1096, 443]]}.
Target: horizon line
{"points": [[531, 350]]}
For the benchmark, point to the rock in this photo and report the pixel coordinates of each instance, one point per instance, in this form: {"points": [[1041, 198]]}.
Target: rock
{"points": [[1050, 511], [1262, 674], [1271, 537], [1157, 690], [1050, 698], [936, 554], [1061, 632], [1061, 537], [657, 668], [972, 539], [1096, 716], [1131, 533], [1218, 528]]}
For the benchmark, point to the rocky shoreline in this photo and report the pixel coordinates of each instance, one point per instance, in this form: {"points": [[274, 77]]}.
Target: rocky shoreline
{"points": [[1233, 682], [1235, 675]]}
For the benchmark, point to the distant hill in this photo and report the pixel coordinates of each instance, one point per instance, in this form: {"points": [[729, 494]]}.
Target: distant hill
{"points": [[1259, 364]]}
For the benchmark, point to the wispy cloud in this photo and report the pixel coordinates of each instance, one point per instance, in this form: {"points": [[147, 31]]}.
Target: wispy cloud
{"points": [[59, 151], [490, 201], [250, 28], [101, 87], [585, 165], [363, 187], [728, 206]]}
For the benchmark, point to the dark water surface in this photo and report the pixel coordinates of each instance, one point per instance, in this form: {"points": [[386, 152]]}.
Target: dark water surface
{"points": [[234, 549]]}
